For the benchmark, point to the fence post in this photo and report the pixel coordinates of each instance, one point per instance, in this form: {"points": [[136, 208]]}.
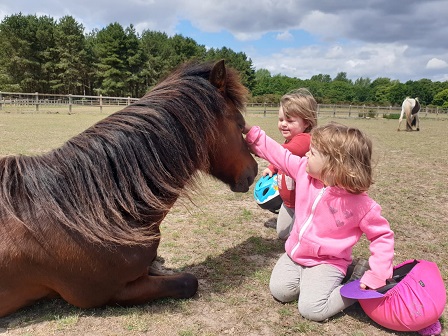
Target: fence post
{"points": [[70, 103], [37, 101], [1, 101], [101, 103], [264, 109], [349, 111], [129, 100]]}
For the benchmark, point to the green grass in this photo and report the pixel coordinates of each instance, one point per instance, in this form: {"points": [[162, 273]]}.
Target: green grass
{"points": [[220, 237]]}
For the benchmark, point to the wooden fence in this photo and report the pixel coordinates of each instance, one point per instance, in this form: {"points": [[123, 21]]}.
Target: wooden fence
{"points": [[352, 111], [35, 102]]}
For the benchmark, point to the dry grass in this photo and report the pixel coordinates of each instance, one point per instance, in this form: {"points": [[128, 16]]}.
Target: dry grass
{"points": [[220, 237]]}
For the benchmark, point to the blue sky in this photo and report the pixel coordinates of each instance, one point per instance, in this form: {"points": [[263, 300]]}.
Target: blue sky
{"points": [[269, 43], [400, 39]]}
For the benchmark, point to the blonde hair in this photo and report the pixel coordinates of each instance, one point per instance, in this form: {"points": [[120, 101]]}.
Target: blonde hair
{"points": [[348, 153], [300, 103]]}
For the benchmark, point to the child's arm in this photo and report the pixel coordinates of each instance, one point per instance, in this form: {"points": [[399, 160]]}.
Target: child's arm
{"points": [[381, 237], [271, 150], [246, 128]]}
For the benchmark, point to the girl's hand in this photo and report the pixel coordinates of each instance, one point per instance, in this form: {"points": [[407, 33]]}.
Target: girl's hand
{"points": [[267, 171], [246, 128], [363, 286]]}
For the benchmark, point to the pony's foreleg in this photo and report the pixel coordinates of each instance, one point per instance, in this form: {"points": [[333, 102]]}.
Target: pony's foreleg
{"points": [[417, 122], [148, 288], [400, 120]]}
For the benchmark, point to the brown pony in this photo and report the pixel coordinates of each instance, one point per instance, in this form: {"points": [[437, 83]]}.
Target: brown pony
{"points": [[81, 222]]}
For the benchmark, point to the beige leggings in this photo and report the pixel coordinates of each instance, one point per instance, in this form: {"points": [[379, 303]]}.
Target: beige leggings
{"points": [[285, 221], [316, 288]]}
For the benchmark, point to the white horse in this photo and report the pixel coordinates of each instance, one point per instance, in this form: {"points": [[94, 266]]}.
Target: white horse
{"points": [[410, 107]]}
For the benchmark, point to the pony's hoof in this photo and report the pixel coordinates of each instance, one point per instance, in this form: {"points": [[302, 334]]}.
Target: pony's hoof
{"points": [[188, 286]]}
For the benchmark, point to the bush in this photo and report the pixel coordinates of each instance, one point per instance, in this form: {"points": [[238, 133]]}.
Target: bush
{"points": [[392, 116], [369, 114]]}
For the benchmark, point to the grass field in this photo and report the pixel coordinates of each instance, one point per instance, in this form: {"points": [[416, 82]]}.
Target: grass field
{"points": [[220, 237]]}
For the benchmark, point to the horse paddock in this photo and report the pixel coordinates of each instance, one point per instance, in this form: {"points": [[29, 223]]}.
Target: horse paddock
{"points": [[219, 236]]}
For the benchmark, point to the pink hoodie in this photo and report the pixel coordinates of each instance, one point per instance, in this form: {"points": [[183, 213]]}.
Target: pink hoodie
{"points": [[329, 221], [298, 145]]}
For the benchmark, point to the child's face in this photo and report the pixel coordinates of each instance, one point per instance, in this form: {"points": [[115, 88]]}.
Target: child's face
{"points": [[290, 127], [316, 161]]}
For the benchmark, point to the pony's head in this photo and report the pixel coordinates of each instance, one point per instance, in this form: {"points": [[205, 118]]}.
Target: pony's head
{"points": [[235, 167]]}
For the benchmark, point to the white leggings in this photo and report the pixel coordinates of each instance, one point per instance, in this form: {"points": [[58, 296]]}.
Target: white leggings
{"points": [[316, 288]]}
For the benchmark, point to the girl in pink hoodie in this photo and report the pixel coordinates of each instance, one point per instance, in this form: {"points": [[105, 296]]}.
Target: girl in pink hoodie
{"points": [[333, 210]]}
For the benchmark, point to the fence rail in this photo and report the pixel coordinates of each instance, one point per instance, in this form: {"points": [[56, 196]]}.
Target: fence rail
{"points": [[34, 102], [362, 111], [37, 100]]}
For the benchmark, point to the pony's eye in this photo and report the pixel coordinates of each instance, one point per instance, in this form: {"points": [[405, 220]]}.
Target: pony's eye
{"points": [[240, 121]]}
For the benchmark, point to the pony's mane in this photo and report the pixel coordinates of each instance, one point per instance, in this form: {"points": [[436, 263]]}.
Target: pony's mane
{"points": [[126, 170]]}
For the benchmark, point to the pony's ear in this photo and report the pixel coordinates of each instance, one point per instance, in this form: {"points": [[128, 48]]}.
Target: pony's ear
{"points": [[218, 75]]}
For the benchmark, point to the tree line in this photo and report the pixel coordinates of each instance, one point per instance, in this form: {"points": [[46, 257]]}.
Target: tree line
{"points": [[41, 54]]}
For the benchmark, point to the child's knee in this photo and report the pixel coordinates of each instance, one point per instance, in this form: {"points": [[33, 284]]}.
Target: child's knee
{"points": [[281, 292], [283, 234], [312, 312]]}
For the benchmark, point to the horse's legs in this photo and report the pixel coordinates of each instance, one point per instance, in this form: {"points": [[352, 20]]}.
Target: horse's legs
{"points": [[148, 288], [13, 299], [409, 118], [417, 123], [401, 118], [408, 125], [13, 303]]}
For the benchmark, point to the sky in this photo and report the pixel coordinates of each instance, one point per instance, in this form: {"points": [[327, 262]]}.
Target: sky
{"points": [[398, 39]]}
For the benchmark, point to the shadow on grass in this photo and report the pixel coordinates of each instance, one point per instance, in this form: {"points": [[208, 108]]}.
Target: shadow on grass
{"points": [[223, 272]]}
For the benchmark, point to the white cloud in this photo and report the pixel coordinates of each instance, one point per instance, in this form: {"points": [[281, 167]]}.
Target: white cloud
{"points": [[247, 36], [284, 36], [435, 63], [327, 26], [335, 51], [356, 59], [371, 38]]}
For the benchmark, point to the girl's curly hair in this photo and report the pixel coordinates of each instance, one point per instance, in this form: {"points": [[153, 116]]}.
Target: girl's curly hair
{"points": [[349, 155]]}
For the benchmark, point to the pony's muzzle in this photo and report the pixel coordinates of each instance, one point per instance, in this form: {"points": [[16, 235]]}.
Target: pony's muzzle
{"points": [[246, 180]]}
